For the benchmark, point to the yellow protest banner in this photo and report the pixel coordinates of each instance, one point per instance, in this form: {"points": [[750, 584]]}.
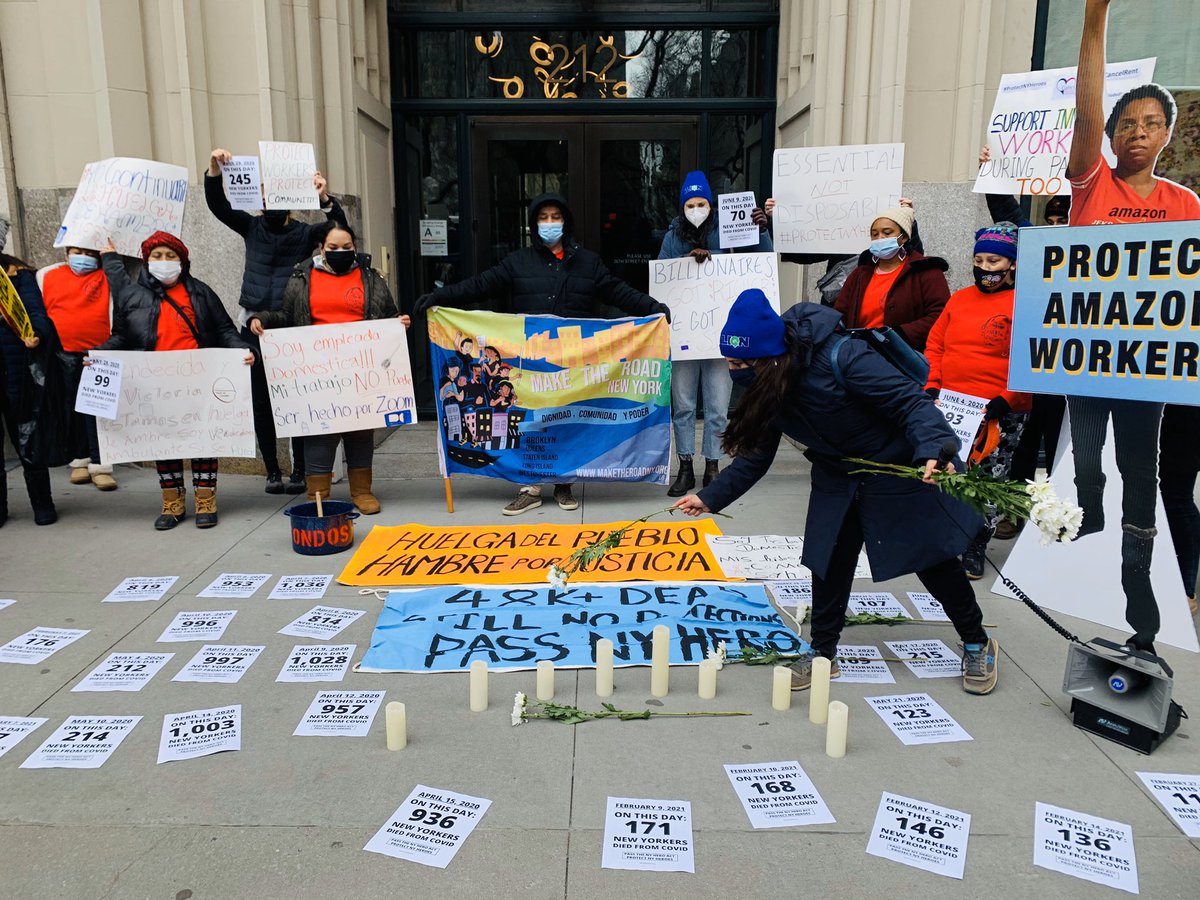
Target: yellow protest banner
{"points": [[413, 554], [12, 310]]}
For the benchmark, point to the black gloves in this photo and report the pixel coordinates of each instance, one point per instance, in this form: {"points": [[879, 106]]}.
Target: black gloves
{"points": [[997, 408], [933, 393], [662, 308], [423, 303]]}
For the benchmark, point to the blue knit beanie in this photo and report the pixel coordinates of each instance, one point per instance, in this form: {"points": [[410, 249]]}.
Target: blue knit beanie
{"points": [[753, 330], [695, 185], [1000, 239]]}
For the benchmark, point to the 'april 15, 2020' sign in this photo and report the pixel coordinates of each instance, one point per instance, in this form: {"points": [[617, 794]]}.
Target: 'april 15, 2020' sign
{"points": [[1109, 311]]}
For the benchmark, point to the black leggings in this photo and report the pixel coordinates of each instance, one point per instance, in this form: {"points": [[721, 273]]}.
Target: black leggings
{"points": [[831, 595], [264, 419]]}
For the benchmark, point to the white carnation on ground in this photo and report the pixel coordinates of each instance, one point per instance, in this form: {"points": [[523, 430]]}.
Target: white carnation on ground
{"points": [[518, 710]]}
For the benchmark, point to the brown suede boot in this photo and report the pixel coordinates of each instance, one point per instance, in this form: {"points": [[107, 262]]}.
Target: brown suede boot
{"points": [[322, 483], [173, 511], [206, 507], [360, 492]]}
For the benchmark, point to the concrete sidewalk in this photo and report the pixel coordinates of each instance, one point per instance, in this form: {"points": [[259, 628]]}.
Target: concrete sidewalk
{"points": [[288, 816]]}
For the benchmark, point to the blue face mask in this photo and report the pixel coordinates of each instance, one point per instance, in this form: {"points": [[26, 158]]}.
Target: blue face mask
{"points": [[550, 232], [885, 248], [744, 377], [82, 264]]}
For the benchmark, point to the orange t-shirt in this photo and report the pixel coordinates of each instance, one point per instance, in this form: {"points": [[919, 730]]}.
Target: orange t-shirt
{"points": [[173, 332], [1099, 197], [78, 307], [870, 311], [336, 298]]}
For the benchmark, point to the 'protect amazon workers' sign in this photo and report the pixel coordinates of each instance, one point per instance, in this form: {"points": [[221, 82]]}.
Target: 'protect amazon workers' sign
{"points": [[1109, 311]]}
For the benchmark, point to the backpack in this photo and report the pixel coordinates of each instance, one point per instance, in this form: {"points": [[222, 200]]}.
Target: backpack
{"points": [[888, 343]]}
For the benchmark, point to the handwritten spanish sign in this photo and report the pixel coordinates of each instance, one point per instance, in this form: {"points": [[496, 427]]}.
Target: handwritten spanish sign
{"points": [[179, 404], [827, 197], [699, 295], [127, 200], [287, 170], [327, 379]]}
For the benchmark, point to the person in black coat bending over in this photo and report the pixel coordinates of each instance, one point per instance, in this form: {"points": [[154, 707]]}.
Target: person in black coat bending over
{"points": [[875, 412], [275, 244], [553, 277]]}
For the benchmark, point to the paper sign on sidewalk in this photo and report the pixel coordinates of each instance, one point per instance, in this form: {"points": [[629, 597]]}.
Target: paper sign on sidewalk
{"points": [[429, 827], [234, 585], [219, 663], [300, 587], [317, 663], [141, 587], [1088, 847], [340, 714], [203, 625], [38, 644], [778, 794], [921, 835], [200, 732], [1179, 795], [322, 622], [14, 729], [648, 835], [918, 719], [123, 672], [82, 742]]}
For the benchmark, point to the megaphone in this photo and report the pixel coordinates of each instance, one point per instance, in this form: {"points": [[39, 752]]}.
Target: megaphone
{"points": [[1121, 694]]}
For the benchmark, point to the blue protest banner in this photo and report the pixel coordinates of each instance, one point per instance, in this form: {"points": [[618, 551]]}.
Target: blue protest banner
{"points": [[1108, 311], [445, 629]]}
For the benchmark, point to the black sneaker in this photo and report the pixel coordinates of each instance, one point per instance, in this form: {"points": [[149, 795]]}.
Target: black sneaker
{"points": [[274, 483], [564, 498], [295, 483], [973, 560]]}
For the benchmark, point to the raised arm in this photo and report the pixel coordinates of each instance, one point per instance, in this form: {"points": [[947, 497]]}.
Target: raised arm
{"points": [[1088, 136]]}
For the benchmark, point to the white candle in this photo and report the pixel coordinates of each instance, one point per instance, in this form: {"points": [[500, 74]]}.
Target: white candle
{"points": [[479, 685], [545, 680], [604, 668], [708, 679], [660, 661], [397, 726], [781, 688], [818, 694], [835, 731]]}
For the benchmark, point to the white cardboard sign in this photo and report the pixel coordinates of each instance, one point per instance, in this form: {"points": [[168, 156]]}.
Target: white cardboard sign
{"points": [[123, 672], [14, 729], [778, 794], [287, 169], [737, 229], [429, 827], [1179, 795], [863, 664], [929, 608], [141, 587], [243, 183], [219, 663], [767, 557], [879, 603], [648, 835], [179, 404], [700, 294], [922, 835], [82, 742], [918, 719], [234, 585], [964, 413], [100, 389], [200, 732], [1088, 847], [127, 200], [327, 379], [827, 197], [317, 663], [38, 644], [322, 622], [340, 714], [927, 659], [300, 587], [202, 625]]}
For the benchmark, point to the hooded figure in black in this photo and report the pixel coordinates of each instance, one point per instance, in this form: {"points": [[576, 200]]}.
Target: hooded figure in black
{"points": [[556, 277]]}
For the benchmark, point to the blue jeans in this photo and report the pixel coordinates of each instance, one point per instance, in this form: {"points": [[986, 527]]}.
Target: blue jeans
{"points": [[687, 376]]}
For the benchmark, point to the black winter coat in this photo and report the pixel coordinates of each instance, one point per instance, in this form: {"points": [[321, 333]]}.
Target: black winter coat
{"points": [[137, 304], [14, 356], [270, 253], [880, 415], [534, 281], [297, 306]]}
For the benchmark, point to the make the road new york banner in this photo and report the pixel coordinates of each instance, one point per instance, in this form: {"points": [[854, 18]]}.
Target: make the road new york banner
{"points": [[534, 399]]}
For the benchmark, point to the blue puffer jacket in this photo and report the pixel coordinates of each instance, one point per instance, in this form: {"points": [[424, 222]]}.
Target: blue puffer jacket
{"points": [[674, 245], [879, 415]]}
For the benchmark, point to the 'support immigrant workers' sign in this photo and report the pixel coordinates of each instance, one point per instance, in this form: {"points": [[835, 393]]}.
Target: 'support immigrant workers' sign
{"points": [[827, 197], [1033, 120], [127, 200], [179, 404], [1108, 311], [338, 378], [699, 295]]}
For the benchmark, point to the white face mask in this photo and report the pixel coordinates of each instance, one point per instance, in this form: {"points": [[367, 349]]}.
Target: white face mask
{"points": [[166, 271], [697, 215]]}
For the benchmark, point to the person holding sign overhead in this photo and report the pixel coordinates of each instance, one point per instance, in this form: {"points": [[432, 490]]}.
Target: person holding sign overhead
{"points": [[275, 243], [14, 362], [168, 309], [895, 286], [968, 351], [694, 233], [336, 285], [874, 412]]}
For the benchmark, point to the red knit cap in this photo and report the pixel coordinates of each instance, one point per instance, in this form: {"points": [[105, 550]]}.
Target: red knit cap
{"points": [[165, 239]]}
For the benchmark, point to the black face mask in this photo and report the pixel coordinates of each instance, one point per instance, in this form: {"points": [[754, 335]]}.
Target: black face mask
{"points": [[340, 261], [275, 218], [991, 282]]}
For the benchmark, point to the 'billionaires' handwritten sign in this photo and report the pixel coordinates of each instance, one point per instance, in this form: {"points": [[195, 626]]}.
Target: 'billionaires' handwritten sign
{"points": [[827, 197], [179, 404], [336, 378], [699, 295], [125, 199], [287, 171], [1108, 311]]}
